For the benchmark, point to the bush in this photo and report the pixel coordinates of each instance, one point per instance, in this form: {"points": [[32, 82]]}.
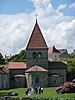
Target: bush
{"points": [[67, 87]]}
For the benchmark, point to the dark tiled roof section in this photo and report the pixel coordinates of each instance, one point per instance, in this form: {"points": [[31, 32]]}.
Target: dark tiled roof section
{"points": [[65, 54], [55, 50], [4, 69], [36, 40], [63, 50], [57, 65]]}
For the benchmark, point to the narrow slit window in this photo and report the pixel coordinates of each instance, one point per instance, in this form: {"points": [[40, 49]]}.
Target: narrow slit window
{"points": [[39, 55], [34, 55]]}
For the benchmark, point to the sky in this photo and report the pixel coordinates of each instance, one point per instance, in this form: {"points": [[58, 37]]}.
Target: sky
{"points": [[56, 19]]}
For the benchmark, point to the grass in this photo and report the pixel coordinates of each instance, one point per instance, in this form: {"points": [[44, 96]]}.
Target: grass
{"points": [[48, 93]]}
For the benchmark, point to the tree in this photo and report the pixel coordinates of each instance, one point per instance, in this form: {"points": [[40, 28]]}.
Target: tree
{"points": [[70, 69], [2, 60], [19, 57], [1, 56]]}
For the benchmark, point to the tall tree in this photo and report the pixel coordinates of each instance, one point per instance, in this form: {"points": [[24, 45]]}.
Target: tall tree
{"points": [[71, 69], [19, 57]]}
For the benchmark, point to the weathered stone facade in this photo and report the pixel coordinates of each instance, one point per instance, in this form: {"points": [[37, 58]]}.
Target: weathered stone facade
{"points": [[36, 79], [17, 82], [57, 77], [4, 77], [30, 61], [4, 81]]}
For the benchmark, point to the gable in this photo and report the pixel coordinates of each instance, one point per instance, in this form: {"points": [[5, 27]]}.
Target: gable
{"points": [[36, 39]]}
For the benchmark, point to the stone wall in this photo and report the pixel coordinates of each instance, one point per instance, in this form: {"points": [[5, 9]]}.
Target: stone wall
{"points": [[57, 76], [54, 57], [4, 81], [36, 79], [43, 62], [17, 82]]}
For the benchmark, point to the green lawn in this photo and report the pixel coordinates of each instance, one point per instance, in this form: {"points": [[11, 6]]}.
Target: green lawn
{"points": [[48, 93]]}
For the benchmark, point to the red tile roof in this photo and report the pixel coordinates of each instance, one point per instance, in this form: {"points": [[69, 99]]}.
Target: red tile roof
{"points": [[16, 65], [36, 39]]}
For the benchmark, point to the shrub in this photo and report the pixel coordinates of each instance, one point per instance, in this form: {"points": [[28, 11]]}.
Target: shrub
{"points": [[67, 87]]}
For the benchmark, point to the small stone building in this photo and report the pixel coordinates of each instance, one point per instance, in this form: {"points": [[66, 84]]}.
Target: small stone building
{"points": [[57, 54], [53, 54], [64, 56], [36, 76], [4, 77], [17, 74], [57, 73]]}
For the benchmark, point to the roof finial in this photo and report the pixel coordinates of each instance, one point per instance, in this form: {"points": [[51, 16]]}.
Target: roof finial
{"points": [[36, 17]]}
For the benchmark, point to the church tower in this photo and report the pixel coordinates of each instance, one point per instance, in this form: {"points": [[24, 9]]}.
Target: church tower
{"points": [[37, 50]]}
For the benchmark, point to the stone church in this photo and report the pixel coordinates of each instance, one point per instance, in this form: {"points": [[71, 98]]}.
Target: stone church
{"points": [[42, 72], [37, 70]]}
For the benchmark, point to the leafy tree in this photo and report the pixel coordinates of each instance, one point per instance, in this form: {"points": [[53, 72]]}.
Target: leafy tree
{"points": [[2, 61], [19, 57], [1, 56], [71, 69]]}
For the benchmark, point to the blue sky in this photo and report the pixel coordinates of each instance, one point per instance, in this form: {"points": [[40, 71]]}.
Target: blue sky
{"points": [[15, 6], [56, 19], [18, 6], [67, 10]]}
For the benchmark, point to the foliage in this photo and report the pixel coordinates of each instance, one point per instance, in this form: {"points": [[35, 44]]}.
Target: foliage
{"points": [[71, 69], [19, 57], [67, 87], [2, 61], [69, 84]]}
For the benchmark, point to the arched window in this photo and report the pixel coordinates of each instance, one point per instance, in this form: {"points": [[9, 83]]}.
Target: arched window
{"points": [[39, 55], [34, 55]]}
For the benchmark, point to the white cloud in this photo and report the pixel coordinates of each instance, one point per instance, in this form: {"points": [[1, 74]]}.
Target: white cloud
{"points": [[63, 35], [62, 6], [16, 29], [72, 5], [40, 3], [14, 33]]}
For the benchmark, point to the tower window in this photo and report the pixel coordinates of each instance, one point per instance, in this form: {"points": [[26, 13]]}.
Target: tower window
{"points": [[39, 55], [34, 55]]}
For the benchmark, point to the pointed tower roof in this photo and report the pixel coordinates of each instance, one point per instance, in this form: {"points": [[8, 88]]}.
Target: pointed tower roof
{"points": [[36, 39]]}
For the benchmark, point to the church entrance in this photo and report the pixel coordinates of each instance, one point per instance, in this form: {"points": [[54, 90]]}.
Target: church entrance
{"points": [[36, 79], [56, 80], [20, 80], [36, 76]]}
